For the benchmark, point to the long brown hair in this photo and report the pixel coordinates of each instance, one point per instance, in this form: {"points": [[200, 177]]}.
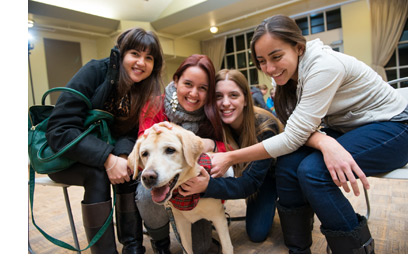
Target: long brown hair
{"points": [[285, 29], [212, 128], [146, 90], [255, 120]]}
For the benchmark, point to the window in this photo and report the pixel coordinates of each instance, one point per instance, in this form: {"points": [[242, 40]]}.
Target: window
{"points": [[238, 56], [320, 22], [397, 66]]}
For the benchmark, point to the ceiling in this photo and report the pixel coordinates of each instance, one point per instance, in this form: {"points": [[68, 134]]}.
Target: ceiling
{"points": [[175, 18]]}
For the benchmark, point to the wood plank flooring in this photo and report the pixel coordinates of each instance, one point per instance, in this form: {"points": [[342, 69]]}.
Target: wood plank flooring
{"points": [[388, 222]]}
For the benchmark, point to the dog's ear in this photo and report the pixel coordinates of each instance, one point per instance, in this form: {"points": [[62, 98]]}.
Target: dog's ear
{"points": [[134, 159], [192, 146]]}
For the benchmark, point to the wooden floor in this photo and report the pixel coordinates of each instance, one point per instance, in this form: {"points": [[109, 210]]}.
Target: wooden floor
{"points": [[388, 222]]}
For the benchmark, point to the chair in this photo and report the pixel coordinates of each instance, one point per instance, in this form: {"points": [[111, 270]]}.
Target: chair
{"points": [[46, 181]]}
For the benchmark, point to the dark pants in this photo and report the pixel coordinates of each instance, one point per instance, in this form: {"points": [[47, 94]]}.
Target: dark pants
{"points": [[302, 176], [95, 182]]}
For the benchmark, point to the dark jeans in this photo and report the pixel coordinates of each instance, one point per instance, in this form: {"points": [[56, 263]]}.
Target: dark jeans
{"points": [[302, 176], [95, 182], [261, 211]]}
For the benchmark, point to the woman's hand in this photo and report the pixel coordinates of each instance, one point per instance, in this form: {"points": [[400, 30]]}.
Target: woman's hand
{"points": [[195, 185], [220, 163], [156, 127], [117, 169], [341, 165]]}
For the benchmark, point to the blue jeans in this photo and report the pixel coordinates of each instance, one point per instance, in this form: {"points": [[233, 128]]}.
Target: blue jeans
{"points": [[302, 177], [260, 211]]}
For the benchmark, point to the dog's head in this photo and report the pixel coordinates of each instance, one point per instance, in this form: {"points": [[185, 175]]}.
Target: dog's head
{"points": [[168, 159]]}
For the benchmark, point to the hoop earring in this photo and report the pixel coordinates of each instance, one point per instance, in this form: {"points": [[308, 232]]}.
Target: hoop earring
{"points": [[174, 102]]}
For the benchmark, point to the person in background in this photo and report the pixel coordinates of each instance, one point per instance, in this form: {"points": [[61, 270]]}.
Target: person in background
{"points": [[258, 96], [243, 125], [120, 84], [189, 101], [365, 133], [269, 101]]}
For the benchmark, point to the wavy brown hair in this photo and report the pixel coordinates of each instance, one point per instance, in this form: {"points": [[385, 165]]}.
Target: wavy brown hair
{"points": [[285, 29], [255, 122], [144, 91]]}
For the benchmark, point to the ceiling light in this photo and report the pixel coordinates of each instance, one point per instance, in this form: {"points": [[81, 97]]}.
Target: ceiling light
{"points": [[30, 23], [213, 29]]}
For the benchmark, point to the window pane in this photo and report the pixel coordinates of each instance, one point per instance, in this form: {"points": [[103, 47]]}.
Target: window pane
{"points": [[403, 54], [241, 60], [223, 64], [303, 25], [253, 73], [251, 63], [333, 19], [229, 48], [391, 75], [404, 73], [404, 36], [240, 42], [249, 38], [392, 62], [245, 73], [316, 22], [230, 62]]}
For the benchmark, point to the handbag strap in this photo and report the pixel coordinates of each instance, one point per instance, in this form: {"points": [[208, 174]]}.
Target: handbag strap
{"points": [[60, 243], [66, 89]]}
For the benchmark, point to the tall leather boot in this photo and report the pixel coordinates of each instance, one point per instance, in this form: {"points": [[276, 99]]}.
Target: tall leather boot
{"points": [[160, 239], [129, 224], [357, 241], [94, 216], [297, 226]]}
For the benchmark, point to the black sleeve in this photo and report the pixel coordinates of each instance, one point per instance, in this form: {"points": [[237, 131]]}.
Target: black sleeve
{"points": [[67, 119]]}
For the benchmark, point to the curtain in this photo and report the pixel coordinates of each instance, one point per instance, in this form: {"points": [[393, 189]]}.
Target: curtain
{"points": [[387, 21], [215, 50]]}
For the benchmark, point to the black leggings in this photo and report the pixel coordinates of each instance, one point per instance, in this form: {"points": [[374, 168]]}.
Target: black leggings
{"points": [[95, 181]]}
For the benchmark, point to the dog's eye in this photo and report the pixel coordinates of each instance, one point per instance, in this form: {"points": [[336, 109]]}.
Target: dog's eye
{"points": [[170, 150], [145, 154]]}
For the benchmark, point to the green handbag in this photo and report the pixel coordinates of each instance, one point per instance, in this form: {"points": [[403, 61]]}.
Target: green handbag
{"points": [[44, 160], [42, 157]]}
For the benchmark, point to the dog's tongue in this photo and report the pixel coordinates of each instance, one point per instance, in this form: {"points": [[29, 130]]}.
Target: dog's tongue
{"points": [[159, 194]]}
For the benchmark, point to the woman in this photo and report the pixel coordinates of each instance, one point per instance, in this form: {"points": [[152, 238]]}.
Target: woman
{"points": [[120, 84], [189, 100], [244, 126], [365, 121]]}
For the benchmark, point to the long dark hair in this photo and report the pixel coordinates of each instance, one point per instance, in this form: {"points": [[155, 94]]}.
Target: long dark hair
{"points": [[285, 29], [142, 92], [213, 127]]}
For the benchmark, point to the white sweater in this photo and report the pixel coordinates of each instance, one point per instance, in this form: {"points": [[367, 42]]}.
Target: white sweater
{"points": [[341, 90]]}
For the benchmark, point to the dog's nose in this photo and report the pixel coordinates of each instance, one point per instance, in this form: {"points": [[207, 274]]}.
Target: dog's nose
{"points": [[149, 177]]}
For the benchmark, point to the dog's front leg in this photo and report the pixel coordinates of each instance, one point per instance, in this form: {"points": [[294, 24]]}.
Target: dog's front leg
{"points": [[221, 225], [184, 229]]}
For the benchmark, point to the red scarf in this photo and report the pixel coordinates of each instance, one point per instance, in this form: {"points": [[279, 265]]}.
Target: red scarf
{"points": [[189, 202]]}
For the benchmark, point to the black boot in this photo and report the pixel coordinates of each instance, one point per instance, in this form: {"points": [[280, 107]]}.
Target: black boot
{"points": [[357, 241], [129, 224], [201, 235], [94, 216], [297, 226], [160, 239]]}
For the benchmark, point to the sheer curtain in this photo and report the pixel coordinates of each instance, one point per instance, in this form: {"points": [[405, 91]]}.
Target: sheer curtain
{"points": [[387, 21], [215, 50]]}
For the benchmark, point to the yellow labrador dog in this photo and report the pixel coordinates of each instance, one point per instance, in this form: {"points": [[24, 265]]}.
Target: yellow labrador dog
{"points": [[168, 159]]}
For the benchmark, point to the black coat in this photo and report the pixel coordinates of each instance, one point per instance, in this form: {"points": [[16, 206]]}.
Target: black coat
{"points": [[96, 80]]}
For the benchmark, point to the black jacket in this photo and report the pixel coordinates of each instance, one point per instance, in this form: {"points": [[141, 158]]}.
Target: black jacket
{"points": [[96, 80]]}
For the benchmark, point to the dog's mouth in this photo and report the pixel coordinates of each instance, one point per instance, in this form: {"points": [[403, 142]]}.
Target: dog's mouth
{"points": [[161, 194]]}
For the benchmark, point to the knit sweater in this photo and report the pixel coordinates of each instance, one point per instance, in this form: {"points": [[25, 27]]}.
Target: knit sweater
{"points": [[340, 90]]}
